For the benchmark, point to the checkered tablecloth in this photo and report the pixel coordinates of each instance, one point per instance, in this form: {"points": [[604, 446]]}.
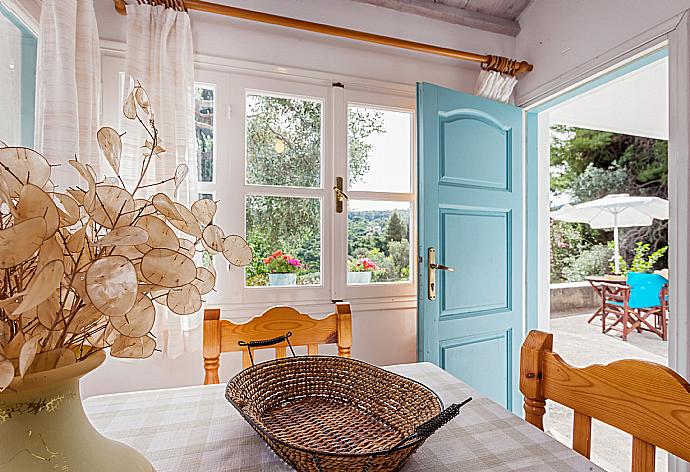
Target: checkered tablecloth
{"points": [[194, 429]]}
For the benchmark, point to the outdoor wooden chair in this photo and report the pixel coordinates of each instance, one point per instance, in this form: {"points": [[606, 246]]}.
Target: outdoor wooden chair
{"points": [[639, 305], [225, 336], [647, 400]]}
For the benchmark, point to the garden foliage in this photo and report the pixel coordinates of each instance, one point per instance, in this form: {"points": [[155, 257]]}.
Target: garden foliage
{"points": [[590, 164]]}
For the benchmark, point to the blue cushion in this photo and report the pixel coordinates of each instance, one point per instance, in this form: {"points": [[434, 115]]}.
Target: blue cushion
{"points": [[645, 289]]}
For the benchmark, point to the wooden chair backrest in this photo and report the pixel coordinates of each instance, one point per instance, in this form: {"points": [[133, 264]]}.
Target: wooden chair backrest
{"points": [[224, 335], [647, 400]]}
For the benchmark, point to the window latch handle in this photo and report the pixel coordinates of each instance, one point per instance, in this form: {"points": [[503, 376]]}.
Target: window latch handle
{"points": [[340, 196]]}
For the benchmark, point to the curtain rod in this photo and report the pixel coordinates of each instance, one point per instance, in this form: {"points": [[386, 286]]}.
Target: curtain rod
{"points": [[501, 64]]}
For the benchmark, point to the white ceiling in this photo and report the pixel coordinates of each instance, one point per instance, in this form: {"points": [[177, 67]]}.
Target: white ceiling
{"points": [[636, 104]]}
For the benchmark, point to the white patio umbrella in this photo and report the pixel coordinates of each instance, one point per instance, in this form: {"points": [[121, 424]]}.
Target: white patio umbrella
{"points": [[615, 211]]}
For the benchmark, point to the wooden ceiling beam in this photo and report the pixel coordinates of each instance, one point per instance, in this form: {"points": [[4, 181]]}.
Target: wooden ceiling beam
{"points": [[450, 14]]}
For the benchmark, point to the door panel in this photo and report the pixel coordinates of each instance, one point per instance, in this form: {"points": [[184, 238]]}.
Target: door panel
{"points": [[473, 238], [458, 357], [475, 150], [470, 200]]}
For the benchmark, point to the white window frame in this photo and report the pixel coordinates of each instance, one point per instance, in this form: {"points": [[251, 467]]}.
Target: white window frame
{"points": [[229, 188], [238, 190], [342, 291]]}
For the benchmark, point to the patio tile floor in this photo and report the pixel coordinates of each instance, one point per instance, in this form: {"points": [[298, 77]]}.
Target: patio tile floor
{"points": [[582, 344]]}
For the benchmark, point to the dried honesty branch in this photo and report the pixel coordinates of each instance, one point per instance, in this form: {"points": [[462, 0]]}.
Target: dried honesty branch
{"points": [[204, 211], [111, 144], [80, 270]]}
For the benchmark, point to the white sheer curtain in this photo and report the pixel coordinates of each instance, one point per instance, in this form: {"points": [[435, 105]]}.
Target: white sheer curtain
{"points": [[68, 86], [495, 85], [160, 56]]}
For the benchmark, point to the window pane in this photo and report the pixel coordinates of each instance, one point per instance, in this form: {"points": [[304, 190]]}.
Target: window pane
{"points": [[18, 79], [379, 144], [283, 141], [204, 117], [284, 226], [378, 242]]}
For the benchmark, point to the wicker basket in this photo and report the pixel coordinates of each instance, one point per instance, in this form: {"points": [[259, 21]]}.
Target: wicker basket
{"points": [[323, 413]]}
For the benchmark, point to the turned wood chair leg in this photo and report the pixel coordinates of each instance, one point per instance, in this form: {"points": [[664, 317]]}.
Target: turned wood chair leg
{"points": [[531, 373], [211, 345], [211, 366], [344, 329]]}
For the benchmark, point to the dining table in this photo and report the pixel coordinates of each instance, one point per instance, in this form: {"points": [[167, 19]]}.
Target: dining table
{"points": [[194, 429]]}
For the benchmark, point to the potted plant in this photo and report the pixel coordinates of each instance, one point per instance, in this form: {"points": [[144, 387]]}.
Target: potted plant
{"points": [[282, 268], [359, 271], [79, 273]]}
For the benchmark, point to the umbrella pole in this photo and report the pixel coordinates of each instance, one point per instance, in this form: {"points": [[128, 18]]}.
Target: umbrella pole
{"points": [[616, 248]]}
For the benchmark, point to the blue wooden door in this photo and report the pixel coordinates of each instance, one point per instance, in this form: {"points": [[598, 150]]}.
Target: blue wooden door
{"points": [[470, 215]]}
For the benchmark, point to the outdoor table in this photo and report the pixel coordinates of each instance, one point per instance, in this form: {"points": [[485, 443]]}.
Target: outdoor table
{"points": [[193, 429], [595, 281]]}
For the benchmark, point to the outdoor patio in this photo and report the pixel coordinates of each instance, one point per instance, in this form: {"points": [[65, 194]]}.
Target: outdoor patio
{"points": [[582, 344]]}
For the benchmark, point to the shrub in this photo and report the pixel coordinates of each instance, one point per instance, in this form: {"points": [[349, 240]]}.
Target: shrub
{"points": [[592, 261], [567, 243], [310, 278], [642, 261]]}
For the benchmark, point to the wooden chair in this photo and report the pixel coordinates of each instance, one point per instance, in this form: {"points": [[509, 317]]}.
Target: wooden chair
{"points": [[640, 304], [649, 401], [224, 335]]}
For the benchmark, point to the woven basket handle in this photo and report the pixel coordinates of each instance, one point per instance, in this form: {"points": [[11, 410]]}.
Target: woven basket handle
{"points": [[266, 343], [429, 427]]}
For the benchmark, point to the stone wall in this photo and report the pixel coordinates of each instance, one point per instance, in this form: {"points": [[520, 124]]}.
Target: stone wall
{"points": [[573, 296]]}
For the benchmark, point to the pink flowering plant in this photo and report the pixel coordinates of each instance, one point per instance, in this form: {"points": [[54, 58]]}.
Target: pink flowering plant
{"points": [[362, 264], [279, 263]]}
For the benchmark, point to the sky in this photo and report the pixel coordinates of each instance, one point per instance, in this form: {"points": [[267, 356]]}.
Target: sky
{"points": [[390, 162]]}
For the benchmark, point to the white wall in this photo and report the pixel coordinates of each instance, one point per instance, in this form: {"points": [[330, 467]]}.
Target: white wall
{"points": [[380, 337], [560, 37], [384, 334], [226, 37]]}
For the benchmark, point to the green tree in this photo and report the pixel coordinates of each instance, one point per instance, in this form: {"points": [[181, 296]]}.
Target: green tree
{"points": [[595, 182], [399, 252], [396, 230], [588, 164], [361, 123]]}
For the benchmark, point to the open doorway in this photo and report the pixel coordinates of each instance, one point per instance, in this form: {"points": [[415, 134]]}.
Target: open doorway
{"points": [[607, 141]]}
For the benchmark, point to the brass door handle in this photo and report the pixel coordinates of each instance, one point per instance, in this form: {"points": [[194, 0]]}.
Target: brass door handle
{"points": [[441, 267], [431, 276]]}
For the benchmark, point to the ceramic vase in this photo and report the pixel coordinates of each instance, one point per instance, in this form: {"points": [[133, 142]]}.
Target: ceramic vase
{"points": [[43, 426]]}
